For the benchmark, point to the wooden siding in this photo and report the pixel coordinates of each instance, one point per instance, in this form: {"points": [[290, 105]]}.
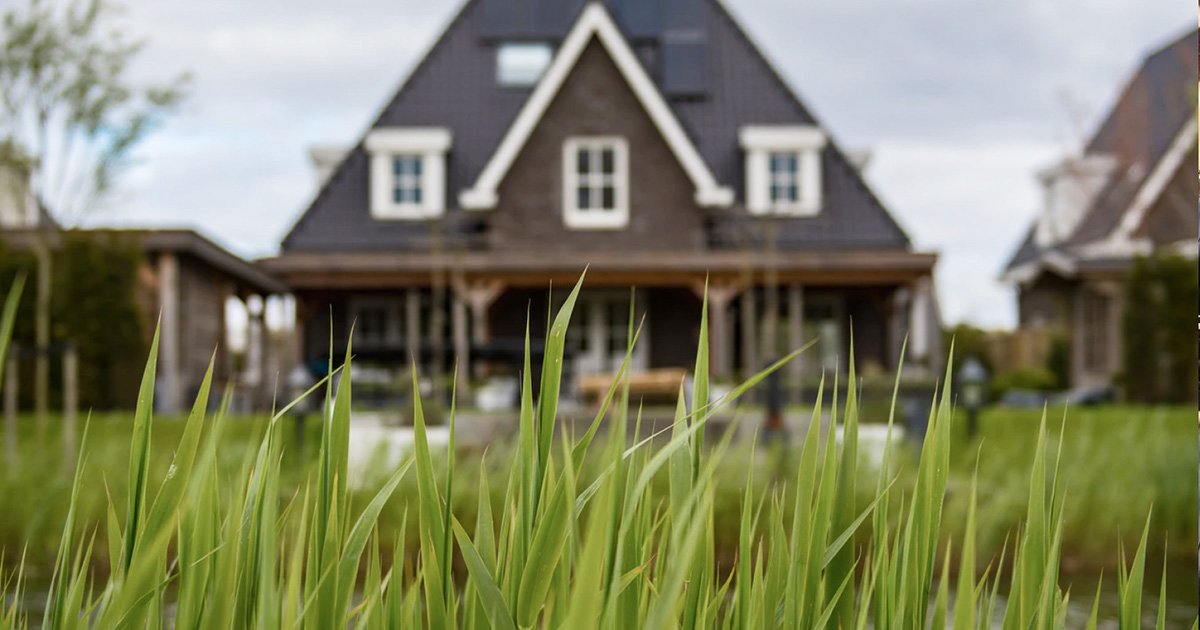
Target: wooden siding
{"points": [[202, 295], [596, 100]]}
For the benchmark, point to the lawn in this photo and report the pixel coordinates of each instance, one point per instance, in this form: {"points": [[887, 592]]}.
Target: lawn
{"points": [[1118, 462]]}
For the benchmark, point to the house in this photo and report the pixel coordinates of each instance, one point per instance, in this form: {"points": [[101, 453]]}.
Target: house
{"points": [[184, 282], [651, 142], [1130, 193]]}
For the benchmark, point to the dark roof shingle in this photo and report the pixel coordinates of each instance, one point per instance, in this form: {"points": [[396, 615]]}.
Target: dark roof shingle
{"points": [[454, 86]]}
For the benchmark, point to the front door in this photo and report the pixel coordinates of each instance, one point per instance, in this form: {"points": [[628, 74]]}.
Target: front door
{"points": [[598, 336]]}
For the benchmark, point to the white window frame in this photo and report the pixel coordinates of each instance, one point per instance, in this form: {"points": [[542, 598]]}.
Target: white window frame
{"points": [[807, 142], [430, 145], [613, 218]]}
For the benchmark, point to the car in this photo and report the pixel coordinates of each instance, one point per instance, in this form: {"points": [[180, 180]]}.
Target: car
{"points": [[1085, 396], [1023, 399]]}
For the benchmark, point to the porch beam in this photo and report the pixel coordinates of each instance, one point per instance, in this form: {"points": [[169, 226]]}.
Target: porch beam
{"points": [[795, 311], [412, 325], [749, 318]]}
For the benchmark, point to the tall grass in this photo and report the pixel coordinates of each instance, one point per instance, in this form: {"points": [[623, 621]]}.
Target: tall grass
{"points": [[561, 552]]}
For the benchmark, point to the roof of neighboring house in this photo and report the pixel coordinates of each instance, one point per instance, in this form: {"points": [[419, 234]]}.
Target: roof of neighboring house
{"points": [[454, 86], [180, 241], [1139, 131]]}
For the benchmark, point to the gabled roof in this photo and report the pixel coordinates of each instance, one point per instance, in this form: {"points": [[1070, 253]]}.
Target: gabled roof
{"points": [[595, 22], [454, 87], [1150, 130], [247, 274]]}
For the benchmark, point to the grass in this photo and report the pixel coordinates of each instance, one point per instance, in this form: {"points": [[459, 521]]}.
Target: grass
{"points": [[595, 529]]}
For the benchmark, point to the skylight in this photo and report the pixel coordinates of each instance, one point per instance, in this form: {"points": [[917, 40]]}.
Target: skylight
{"points": [[521, 64]]}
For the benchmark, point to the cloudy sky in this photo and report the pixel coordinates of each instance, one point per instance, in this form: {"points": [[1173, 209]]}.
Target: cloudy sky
{"points": [[961, 101]]}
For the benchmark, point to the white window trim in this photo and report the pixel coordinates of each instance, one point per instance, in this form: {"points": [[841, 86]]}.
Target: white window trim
{"points": [[594, 219], [759, 142], [431, 145]]}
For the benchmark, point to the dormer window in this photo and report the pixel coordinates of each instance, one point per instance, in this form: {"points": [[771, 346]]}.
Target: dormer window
{"points": [[783, 169], [521, 64], [785, 178], [406, 179], [596, 182], [408, 172]]}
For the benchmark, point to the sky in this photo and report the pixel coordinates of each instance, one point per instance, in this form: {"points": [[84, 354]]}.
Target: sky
{"points": [[960, 101]]}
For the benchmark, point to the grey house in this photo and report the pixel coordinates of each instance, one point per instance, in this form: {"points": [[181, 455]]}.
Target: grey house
{"points": [[1131, 192], [650, 141]]}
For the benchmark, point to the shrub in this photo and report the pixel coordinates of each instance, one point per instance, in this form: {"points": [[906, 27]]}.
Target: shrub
{"points": [[1159, 330], [93, 306]]}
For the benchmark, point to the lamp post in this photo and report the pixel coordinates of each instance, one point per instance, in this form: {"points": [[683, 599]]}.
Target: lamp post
{"points": [[972, 377]]}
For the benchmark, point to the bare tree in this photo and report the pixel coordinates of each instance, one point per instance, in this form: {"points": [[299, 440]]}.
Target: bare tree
{"points": [[70, 114]]}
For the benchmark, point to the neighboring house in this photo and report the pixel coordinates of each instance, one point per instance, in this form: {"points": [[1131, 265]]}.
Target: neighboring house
{"points": [[184, 284], [1131, 193], [650, 141]]}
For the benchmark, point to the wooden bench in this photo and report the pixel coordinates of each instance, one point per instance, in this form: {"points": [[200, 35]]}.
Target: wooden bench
{"points": [[657, 386]]}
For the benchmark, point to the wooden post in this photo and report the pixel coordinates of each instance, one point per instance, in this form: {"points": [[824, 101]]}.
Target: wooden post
{"points": [[412, 325], [255, 380], [749, 333], [462, 347], [795, 308], [70, 376], [720, 335], [770, 319], [10, 404], [897, 329], [168, 343], [479, 296], [919, 321]]}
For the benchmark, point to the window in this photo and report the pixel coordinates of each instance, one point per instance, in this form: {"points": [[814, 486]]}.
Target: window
{"points": [[785, 178], [408, 172], [783, 169], [521, 64], [377, 322], [406, 187], [596, 183]]}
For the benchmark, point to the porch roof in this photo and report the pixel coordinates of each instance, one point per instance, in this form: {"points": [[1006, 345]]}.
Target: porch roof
{"points": [[361, 270]]}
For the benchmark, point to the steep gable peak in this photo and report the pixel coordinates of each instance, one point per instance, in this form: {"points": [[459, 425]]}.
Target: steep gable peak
{"points": [[595, 22]]}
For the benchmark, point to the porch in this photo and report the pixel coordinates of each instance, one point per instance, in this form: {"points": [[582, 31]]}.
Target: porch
{"points": [[479, 320]]}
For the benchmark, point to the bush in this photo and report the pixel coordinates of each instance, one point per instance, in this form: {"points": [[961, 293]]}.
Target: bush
{"points": [[1159, 331], [94, 307], [1038, 379]]}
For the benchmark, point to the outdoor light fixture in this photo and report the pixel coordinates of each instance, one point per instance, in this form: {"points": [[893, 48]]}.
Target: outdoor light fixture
{"points": [[972, 378]]}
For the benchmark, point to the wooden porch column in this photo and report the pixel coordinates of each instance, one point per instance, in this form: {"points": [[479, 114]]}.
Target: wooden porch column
{"points": [[1114, 311], [412, 325], [896, 326], [749, 333], [462, 346], [795, 310], [720, 334], [168, 343], [479, 297], [256, 308], [1079, 337], [919, 322]]}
